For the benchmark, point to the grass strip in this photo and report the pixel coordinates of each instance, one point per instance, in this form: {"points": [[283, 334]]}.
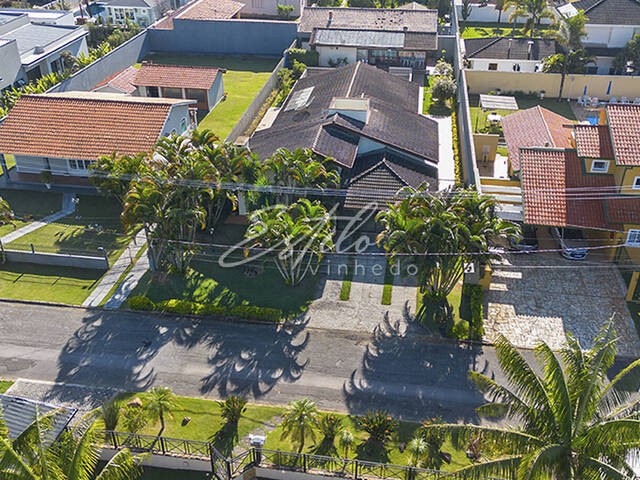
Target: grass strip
{"points": [[388, 286], [345, 289]]}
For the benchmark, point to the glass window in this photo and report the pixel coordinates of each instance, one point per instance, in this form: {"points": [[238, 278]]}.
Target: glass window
{"points": [[172, 92], [73, 164], [633, 238], [198, 95], [636, 183], [600, 166], [493, 66], [183, 125]]}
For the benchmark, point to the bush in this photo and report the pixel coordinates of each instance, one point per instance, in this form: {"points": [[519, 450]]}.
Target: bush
{"points": [[476, 302], [456, 149], [459, 330], [232, 408], [345, 290], [211, 309], [284, 11], [257, 313], [308, 57], [140, 302], [379, 425], [176, 305], [443, 89]]}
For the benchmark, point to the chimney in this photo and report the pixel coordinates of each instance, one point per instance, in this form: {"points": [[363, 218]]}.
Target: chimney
{"points": [[509, 48], [405, 29], [529, 49]]}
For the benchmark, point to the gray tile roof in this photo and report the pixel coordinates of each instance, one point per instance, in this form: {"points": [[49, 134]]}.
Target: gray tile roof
{"points": [[374, 39], [393, 118], [387, 19], [19, 413], [503, 48], [610, 12], [128, 3]]}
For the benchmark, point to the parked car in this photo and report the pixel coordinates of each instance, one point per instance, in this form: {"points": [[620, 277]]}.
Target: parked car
{"points": [[528, 241], [571, 241]]}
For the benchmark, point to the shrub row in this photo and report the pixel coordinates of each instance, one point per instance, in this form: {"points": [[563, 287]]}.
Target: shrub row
{"points": [[476, 299], [456, 148], [309, 57], [183, 307]]}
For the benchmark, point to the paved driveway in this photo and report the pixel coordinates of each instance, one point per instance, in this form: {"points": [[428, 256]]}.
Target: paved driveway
{"points": [[544, 296]]}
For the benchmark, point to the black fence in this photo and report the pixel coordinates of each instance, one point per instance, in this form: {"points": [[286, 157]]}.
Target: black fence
{"points": [[229, 468]]}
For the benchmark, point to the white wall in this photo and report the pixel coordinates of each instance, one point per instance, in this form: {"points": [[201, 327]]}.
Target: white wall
{"points": [[29, 164], [335, 53], [174, 120], [604, 64], [489, 13], [76, 48], [216, 91], [268, 7], [612, 36], [10, 64], [505, 65], [141, 16]]}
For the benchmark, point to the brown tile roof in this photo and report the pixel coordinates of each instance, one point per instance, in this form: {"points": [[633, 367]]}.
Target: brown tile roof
{"points": [[624, 209], [593, 141], [557, 193], [175, 76], [534, 127], [202, 10], [121, 80], [624, 124], [83, 127]]}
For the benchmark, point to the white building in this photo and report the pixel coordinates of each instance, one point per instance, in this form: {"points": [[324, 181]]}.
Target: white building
{"points": [[140, 12], [505, 54]]}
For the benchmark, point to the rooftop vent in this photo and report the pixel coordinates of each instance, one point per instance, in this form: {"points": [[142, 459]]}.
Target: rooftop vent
{"points": [[356, 108], [38, 49]]}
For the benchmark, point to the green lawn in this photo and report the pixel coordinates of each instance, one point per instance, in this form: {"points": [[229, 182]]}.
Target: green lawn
{"points": [[244, 78], [206, 421], [479, 117], [94, 224], [429, 106], [481, 30], [9, 160], [4, 385], [8, 228], [25, 203], [25, 281], [459, 304]]}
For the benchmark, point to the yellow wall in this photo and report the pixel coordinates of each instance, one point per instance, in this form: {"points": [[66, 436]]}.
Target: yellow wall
{"points": [[482, 139], [625, 177], [587, 166], [574, 85]]}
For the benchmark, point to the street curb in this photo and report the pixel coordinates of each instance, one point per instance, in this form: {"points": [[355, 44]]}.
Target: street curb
{"points": [[247, 321]]}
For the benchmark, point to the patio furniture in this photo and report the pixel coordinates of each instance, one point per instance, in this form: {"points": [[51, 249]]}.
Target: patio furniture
{"points": [[613, 100], [594, 102], [494, 117], [624, 100]]}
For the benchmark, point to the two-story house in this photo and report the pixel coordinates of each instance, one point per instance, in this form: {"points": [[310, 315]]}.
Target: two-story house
{"points": [[140, 12]]}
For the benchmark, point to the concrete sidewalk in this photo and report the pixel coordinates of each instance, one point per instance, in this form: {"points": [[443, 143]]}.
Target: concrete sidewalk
{"points": [[68, 207], [117, 269], [129, 283]]}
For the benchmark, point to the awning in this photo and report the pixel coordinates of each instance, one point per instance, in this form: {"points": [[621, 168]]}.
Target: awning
{"points": [[498, 102]]}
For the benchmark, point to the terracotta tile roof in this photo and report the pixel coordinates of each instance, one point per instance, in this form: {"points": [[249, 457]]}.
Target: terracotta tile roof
{"points": [[121, 80], [624, 210], [593, 141], [175, 76], [546, 175], [83, 127], [624, 124], [534, 127], [202, 10]]}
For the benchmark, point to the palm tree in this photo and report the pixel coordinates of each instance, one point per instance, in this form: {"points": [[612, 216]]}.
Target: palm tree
{"points": [[571, 31], [417, 449], [296, 235], [499, 5], [6, 214], [459, 224], [160, 401], [572, 422], [534, 10], [346, 441], [299, 421], [113, 175], [73, 456]]}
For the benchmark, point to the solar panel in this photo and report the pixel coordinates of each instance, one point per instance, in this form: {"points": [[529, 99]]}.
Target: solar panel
{"points": [[498, 102], [299, 99]]}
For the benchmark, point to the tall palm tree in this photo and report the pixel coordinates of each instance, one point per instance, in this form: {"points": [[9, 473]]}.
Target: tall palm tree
{"points": [[160, 401], [566, 420], [499, 5], [571, 31], [534, 10], [299, 422], [6, 214], [73, 456]]}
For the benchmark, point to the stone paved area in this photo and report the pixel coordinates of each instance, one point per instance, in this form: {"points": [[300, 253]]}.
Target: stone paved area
{"points": [[544, 296]]}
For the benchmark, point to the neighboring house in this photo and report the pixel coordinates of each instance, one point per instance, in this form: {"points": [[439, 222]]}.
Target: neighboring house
{"points": [[367, 122], [506, 54], [269, 8], [383, 37], [65, 132], [140, 12], [610, 25], [202, 10], [202, 84], [581, 175], [55, 17], [29, 50], [119, 82]]}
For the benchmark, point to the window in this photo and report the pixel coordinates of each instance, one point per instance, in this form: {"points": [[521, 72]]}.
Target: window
{"points": [[183, 125], [172, 92], [493, 66], [516, 67], [79, 164], [636, 184], [600, 166], [633, 238]]}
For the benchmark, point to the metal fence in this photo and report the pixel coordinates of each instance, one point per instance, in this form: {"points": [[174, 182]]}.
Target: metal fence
{"points": [[229, 468]]}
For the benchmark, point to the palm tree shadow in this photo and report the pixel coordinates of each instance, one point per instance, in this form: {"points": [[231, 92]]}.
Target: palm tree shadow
{"points": [[226, 438]]}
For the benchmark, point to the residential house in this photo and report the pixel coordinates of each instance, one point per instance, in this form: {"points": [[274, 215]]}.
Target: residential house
{"points": [[507, 54], [54, 17], [203, 84], [119, 82], [382, 37], [367, 122], [29, 49], [269, 8], [202, 10], [610, 25], [65, 132], [140, 12], [581, 175]]}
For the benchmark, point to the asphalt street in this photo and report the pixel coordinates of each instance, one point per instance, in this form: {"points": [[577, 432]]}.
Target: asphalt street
{"points": [[342, 371]]}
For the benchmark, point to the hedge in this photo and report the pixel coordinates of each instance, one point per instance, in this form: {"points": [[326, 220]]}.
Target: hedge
{"points": [[456, 149], [185, 307], [309, 57], [476, 301]]}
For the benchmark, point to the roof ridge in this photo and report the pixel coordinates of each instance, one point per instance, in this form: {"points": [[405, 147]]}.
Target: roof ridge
{"points": [[202, 67], [368, 170], [125, 99], [379, 10], [598, 2], [539, 109]]}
